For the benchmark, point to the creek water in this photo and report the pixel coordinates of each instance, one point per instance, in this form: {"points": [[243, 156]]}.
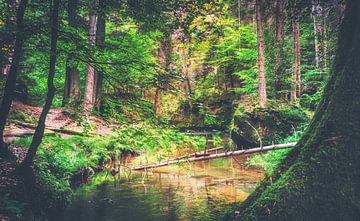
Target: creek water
{"points": [[200, 191]]}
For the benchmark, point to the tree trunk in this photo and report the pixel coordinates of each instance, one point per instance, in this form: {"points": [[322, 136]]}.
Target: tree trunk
{"points": [[298, 55], [316, 34], [8, 37], [280, 34], [90, 78], [296, 79], [11, 78], [72, 80], [100, 43], [319, 179], [261, 57], [39, 131], [157, 102]]}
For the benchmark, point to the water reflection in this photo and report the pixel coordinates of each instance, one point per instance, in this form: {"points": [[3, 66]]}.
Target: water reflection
{"points": [[173, 193]]}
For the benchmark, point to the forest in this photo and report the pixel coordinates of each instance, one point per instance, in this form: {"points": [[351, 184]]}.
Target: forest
{"points": [[179, 110]]}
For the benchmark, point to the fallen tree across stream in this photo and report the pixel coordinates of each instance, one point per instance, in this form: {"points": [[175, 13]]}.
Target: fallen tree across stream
{"points": [[217, 155]]}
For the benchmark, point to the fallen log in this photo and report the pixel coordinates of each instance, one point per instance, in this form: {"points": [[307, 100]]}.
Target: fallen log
{"points": [[25, 134], [196, 153], [219, 155], [59, 130]]}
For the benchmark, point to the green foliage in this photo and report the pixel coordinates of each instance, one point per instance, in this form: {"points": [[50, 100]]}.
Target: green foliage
{"points": [[20, 116], [271, 160], [268, 161], [124, 109], [11, 207]]}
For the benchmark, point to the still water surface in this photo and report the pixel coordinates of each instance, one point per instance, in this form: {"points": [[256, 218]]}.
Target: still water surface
{"points": [[170, 194]]}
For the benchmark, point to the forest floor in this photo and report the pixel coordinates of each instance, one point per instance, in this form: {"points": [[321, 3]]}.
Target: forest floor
{"points": [[23, 118], [59, 118], [8, 179]]}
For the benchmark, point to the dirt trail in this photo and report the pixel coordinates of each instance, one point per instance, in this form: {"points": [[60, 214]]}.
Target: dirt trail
{"points": [[57, 118]]}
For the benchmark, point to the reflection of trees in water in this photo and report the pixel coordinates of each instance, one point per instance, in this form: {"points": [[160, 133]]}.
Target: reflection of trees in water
{"points": [[159, 196]]}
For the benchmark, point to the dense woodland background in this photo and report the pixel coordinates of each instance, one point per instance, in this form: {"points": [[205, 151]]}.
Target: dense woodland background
{"points": [[176, 57]]}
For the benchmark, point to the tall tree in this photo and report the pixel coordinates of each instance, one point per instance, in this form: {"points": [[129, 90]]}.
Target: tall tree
{"points": [[261, 56], [72, 80], [100, 43], [280, 35], [90, 77], [296, 78], [11, 78], [320, 178], [39, 131]]}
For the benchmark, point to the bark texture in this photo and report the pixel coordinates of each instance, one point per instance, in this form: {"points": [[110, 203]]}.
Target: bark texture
{"points": [[280, 35], [320, 178], [100, 43], [296, 79], [72, 80], [261, 56], [90, 77]]}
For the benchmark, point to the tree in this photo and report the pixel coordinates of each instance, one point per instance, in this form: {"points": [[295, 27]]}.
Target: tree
{"points": [[90, 77], [320, 178], [280, 35], [11, 79], [72, 80], [261, 57], [100, 43], [8, 38], [164, 56], [39, 131], [296, 78]]}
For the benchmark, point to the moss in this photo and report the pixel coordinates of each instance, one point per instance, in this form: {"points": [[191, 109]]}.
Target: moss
{"points": [[20, 116], [266, 125]]}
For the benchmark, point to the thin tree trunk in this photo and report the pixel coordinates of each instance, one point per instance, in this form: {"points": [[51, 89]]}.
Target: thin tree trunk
{"points": [[326, 159], [90, 78], [280, 34], [316, 37], [66, 95], [325, 42], [157, 101], [11, 78], [298, 55], [261, 57], [39, 131], [239, 20], [296, 79]]}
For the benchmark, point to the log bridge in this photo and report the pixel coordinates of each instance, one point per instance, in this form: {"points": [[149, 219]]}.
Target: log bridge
{"points": [[204, 155]]}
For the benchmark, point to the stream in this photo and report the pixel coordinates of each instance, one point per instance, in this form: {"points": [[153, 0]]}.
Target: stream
{"points": [[200, 191]]}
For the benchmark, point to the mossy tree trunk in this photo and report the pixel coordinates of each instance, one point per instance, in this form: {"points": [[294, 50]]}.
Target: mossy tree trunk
{"points": [[320, 178]]}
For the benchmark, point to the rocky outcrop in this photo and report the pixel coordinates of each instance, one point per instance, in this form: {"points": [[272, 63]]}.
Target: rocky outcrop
{"points": [[264, 126]]}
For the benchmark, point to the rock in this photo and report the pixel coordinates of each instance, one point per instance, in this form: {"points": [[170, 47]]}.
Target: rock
{"points": [[271, 126]]}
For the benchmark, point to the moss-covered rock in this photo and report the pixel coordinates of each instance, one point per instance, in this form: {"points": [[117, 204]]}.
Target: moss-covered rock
{"points": [[252, 127]]}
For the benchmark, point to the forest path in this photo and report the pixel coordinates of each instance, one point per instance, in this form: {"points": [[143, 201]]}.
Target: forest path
{"points": [[60, 119]]}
